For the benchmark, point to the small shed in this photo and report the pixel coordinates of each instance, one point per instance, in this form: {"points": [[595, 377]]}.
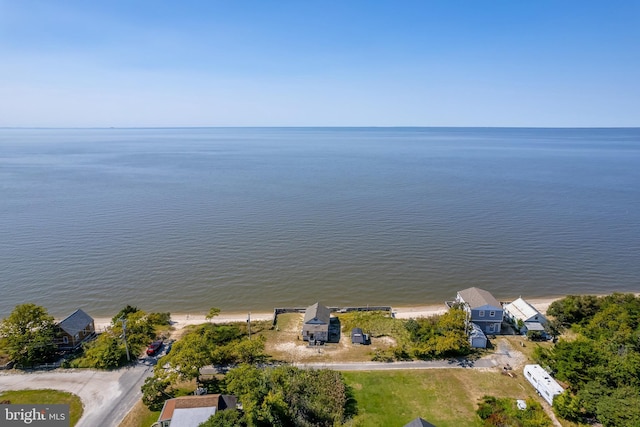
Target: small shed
{"points": [[477, 338], [316, 323], [75, 329], [358, 337]]}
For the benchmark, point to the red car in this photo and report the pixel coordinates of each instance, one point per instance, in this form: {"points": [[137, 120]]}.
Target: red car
{"points": [[154, 347]]}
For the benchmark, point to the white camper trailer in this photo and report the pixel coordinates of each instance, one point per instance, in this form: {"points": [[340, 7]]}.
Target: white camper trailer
{"points": [[540, 379]]}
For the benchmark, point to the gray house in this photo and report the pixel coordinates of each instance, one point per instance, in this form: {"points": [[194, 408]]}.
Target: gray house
{"points": [[316, 323], [484, 310]]}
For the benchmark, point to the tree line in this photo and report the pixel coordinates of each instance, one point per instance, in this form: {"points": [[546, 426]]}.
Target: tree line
{"points": [[28, 337], [601, 362]]}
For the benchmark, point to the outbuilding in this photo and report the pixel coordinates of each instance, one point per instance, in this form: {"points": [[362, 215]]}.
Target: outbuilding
{"points": [[477, 338], [358, 337]]}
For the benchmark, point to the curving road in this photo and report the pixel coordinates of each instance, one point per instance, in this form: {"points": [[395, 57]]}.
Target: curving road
{"points": [[107, 396]]}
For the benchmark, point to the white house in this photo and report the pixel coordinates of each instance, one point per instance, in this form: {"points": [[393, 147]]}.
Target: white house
{"points": [[520, 310], [540, 379]]}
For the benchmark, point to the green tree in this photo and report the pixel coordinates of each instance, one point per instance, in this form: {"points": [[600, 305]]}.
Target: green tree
{"points": [[250, 351], [574, 360], [568, 406], [213, 312], [574, 309], [28, 334], [107, 352], [226, 418], [154, 393], [620, 409], [126, 311], [286, 395], [187, 356]]}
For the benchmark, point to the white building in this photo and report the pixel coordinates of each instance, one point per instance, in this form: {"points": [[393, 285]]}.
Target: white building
{"points": [[520, 310], [540, 379]]}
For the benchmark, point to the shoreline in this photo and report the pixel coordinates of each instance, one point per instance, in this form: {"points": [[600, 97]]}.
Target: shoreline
{"points": [[182, 320]]}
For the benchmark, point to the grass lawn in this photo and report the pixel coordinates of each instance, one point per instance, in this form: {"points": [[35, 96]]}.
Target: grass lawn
{"points": [[140, 416], [46, 397], [444, 397]]}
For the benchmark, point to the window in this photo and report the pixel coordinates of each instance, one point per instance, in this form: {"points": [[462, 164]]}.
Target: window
{"points": [[65, 340], [492, 314], [481, 313]]}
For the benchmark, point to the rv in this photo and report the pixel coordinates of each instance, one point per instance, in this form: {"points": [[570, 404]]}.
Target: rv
{"points": [[540, 379]]}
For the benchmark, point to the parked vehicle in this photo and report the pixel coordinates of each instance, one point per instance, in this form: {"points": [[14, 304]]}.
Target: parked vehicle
{"points": [[154, 347]]}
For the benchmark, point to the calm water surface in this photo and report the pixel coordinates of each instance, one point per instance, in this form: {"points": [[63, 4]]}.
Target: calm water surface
{"points": [[247, 219]]}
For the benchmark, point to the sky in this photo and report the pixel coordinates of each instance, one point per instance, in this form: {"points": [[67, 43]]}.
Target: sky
{"points": [[319, 63]]}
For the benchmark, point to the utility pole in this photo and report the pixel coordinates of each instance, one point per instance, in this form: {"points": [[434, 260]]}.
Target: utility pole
{"points": [[124, 336], [249, 324]]}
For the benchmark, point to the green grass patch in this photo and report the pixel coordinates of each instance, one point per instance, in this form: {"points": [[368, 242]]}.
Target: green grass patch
{"points": [[376, 324], [46, 397], [501, 412], [444, 397]]}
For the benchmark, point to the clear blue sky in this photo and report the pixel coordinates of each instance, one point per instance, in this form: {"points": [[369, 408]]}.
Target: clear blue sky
{"points": [[320, 63]]}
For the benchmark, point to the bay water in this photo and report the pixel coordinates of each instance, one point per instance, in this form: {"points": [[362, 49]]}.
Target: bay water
{"points": [[248, 219]]}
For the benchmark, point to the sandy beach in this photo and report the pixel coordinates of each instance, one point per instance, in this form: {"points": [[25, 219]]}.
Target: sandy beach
{"points": [[181, 320]]}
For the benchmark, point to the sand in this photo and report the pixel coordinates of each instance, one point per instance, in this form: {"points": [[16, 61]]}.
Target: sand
{"points": [[181, 320]]}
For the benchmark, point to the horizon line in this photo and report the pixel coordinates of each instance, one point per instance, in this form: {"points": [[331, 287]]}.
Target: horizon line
{"points": [[311, 127]]}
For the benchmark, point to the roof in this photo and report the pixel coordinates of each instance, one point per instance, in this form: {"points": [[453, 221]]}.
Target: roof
{"points": [[219, 401], [476, 331], [534, 326], [191, 417], [357, 337], [75, 322], [522, 309], [543, 377], [477, 297], [419, 422], [317, 311]]}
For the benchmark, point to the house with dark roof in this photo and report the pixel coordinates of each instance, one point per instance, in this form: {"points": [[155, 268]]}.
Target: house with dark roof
{"points": [[483, 309], [316, 323], [191, 411], [75, 329], [419, 422]]}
